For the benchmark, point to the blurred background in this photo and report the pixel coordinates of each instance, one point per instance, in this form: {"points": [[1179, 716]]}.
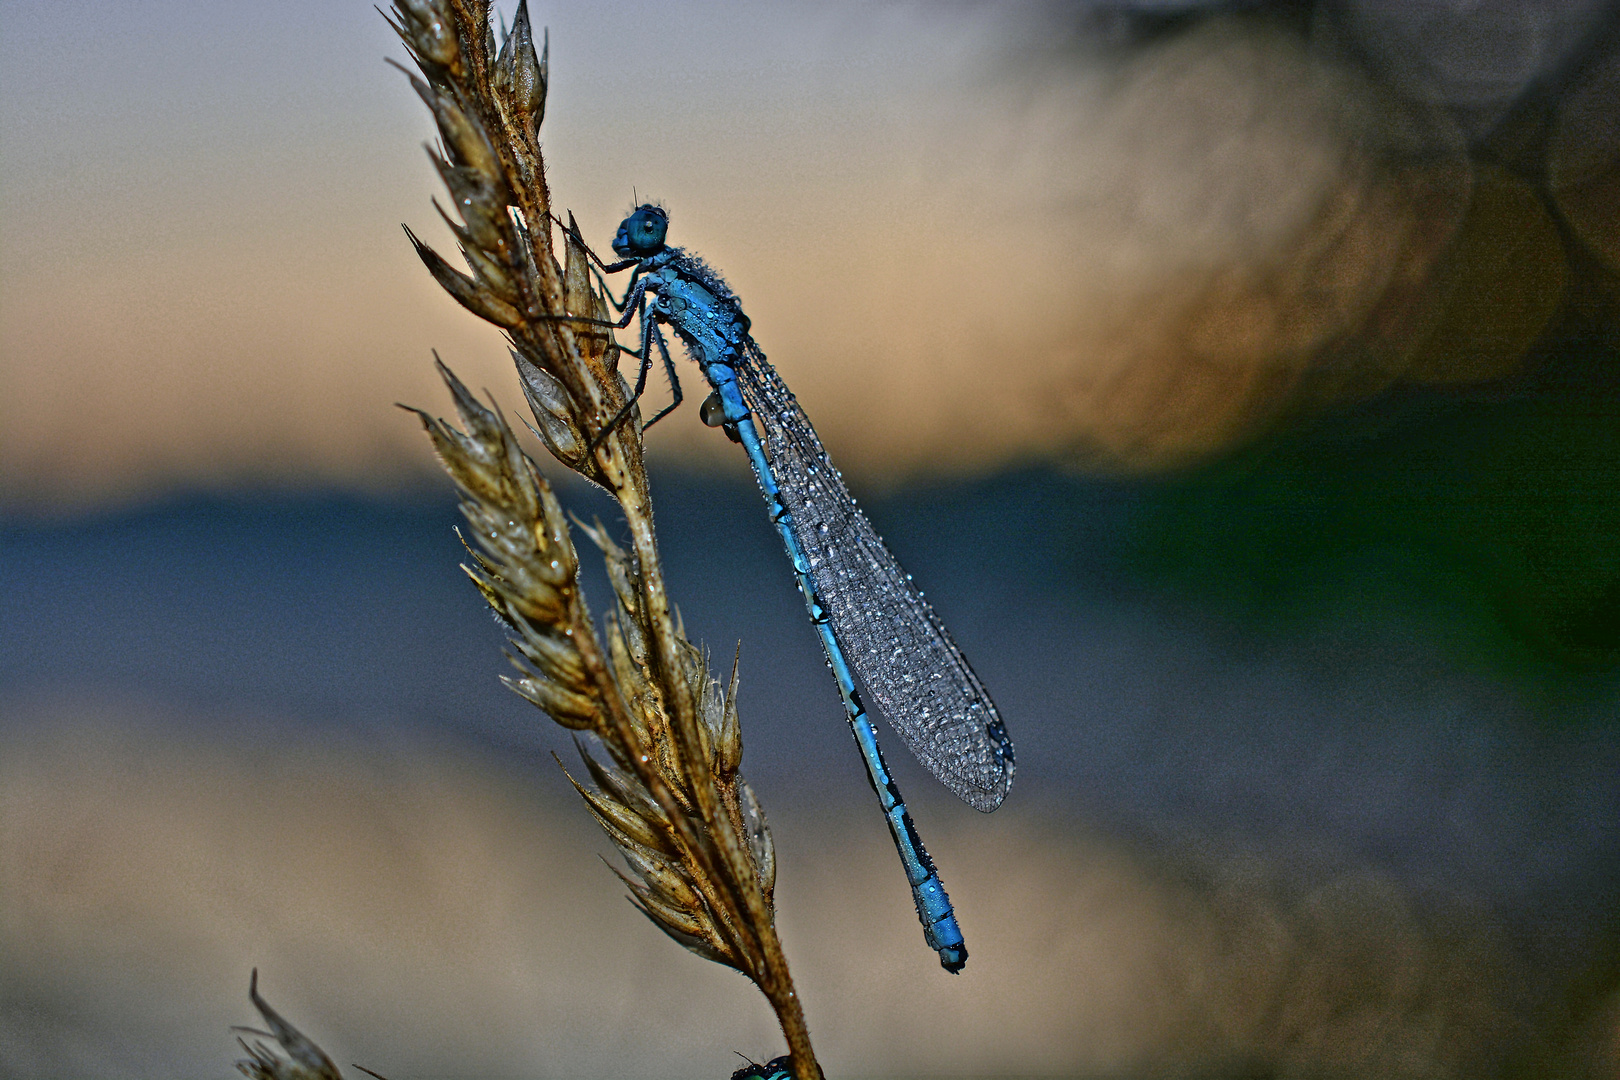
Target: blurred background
{"points": [[1239, 379]]}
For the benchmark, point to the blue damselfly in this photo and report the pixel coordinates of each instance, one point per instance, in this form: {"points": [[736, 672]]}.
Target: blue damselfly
{"points": [[873, 621]]}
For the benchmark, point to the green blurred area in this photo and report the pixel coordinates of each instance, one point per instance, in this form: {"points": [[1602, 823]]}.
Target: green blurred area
{"points": [[1472, 510], [1486, 526]]}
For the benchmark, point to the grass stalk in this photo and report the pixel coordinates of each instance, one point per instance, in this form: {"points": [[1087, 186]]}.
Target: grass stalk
{"points": [[663, 745]]}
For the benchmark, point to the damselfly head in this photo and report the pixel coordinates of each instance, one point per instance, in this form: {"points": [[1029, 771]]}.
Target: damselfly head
{"points": [[642, 233], [775, 1069]]}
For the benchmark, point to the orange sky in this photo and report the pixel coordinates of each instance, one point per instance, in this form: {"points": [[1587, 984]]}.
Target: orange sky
{"points": [[961, 251]]}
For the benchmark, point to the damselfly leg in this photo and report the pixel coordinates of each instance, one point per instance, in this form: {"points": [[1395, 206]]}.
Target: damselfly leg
{"points": [[650, 334], [635, 299]]}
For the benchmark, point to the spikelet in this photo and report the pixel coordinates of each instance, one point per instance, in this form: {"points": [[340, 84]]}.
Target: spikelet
{"points": [[488, 107], [525, 565], [304, 1060], [657, 733]]}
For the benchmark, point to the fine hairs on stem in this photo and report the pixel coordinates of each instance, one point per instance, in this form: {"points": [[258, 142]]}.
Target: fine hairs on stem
{"points": [[661, 743]]}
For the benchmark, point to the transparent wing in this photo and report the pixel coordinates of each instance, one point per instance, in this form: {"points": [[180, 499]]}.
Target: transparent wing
{"points": [[918, 678]]}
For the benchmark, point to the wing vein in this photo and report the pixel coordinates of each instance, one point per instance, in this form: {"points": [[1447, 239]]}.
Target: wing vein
{"points": [[912, 669]]}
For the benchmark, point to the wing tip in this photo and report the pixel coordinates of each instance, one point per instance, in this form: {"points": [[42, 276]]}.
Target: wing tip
{"points": [[988, 799]]}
